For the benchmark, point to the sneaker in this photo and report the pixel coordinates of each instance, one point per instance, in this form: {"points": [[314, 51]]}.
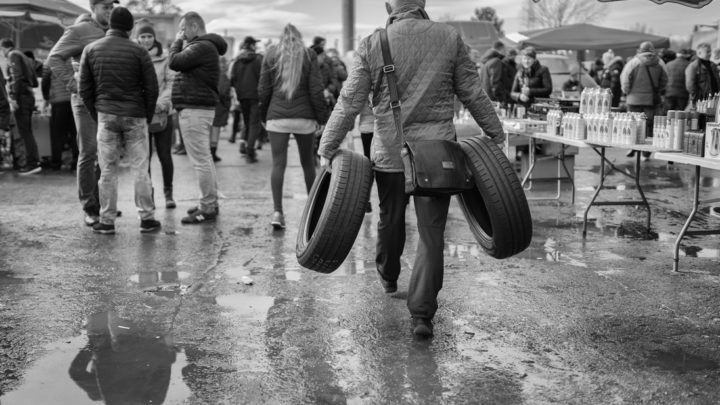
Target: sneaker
{"points": [[278, 220], [28, 170], [243, 147], [630, 154], [389, 286], [216, 158], [422, 327], [199, 217], [251, 159], [715, 211], [149, 225], [91, 219], [195, 209], [170, 203], [105, 229]]}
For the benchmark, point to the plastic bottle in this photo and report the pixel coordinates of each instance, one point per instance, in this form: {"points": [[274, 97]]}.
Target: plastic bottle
{"points": [[583, 101], [641, 128], [679, 130]]}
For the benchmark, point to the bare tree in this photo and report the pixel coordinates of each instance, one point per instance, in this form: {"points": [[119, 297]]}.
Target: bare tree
{"points": [[641, 27], [489, 14], [556, 13], [152, 6], [444, 17]]}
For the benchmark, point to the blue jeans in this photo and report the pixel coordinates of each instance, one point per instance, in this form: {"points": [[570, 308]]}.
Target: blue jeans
{"points": [[196, 124], [88, 171], [112, 129]]}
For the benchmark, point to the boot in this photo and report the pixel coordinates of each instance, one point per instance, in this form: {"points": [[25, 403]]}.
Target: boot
{"points": [[213, 152], [169, 201]]}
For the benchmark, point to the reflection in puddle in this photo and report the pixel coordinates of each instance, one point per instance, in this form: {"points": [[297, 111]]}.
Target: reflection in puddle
{"points": [[350, 267], [679, 360], [150, 278], [247, 306], [293, 275], [7, 277], [114, 361], [461, 251], [697, 251], [553, 254]]}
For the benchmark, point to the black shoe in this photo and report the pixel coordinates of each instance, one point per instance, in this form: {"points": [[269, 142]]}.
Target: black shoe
{"points": [[199, 217], [216, 158], [251, 159], [28, 170], [195, 209], [422, 327], [149, 225], [630, 154], [389, 286], [243, 147], [105, 229], [118, 213], [179, 151]]}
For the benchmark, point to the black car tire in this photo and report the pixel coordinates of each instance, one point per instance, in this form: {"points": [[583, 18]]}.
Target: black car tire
{"points": [[334, 212], [497, 209]]}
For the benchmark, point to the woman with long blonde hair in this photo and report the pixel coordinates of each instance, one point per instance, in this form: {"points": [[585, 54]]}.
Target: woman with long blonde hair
{"points": [[291, 102]]}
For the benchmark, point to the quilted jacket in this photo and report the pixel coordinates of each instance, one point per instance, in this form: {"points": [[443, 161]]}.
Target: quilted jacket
{"points": [[198, 67], [676, 77], [70, 47], [638, 85], [432, 67], [307, 101], [699, 80], [117, 77]]}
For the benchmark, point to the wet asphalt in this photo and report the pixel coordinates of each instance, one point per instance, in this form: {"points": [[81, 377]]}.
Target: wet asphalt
{"points": [[223, 314]]}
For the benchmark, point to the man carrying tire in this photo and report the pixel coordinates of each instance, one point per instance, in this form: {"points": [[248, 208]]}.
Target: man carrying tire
{"points": [[432, 67]]}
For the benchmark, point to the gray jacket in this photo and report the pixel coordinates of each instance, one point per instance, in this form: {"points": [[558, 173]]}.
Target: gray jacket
{"points": [[432, 67], [70, 47]]}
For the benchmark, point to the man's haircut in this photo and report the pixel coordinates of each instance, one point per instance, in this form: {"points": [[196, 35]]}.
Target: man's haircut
{"points": [[498, 45], [193, 17], [704, 45], [7, 43]]}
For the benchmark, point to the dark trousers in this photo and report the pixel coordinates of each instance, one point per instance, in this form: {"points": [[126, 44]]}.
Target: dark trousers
{"points": [[23, 118], [366, 138], [649, 113], [251, 118], [62, 132], [431, 212], [676, 103], [236, 124], [163, 145]]}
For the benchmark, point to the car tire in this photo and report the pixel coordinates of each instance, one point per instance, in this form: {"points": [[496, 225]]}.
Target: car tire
{"points": [[334, 212], [496, 209]]}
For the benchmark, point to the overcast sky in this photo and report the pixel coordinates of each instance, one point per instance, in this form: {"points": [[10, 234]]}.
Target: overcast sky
{"points": [[265, 18]]}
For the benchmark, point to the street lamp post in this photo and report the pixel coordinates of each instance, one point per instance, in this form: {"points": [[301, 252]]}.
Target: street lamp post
{"points": [[348, 18]]}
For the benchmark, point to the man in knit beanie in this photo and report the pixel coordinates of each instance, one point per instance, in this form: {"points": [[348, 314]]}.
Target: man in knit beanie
{"points": [[119, 88]]}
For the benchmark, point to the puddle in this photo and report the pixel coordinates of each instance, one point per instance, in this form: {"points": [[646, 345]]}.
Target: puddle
{"points": [[7, 277], [168, 291], [635, 230], [293, 275], [678, 360], [462, 251], [150, 278], [254, 307], [242, 231], [350, 267], [553, 254], [697, 251], [143, 369]]}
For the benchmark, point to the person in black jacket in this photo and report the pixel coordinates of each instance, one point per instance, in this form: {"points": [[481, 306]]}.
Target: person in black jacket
{"points": [[6, 158], [532, 80], [244, 78], [291, 102], [119, 88], [701, 76], [195, 55], [492, 74]]}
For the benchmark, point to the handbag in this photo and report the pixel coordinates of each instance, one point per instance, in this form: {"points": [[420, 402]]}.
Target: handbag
{"points": [[159, 122], [431, 167]]}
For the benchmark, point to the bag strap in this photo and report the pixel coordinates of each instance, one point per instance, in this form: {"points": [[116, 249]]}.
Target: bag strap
{"points": [[388, 70], [652, 83]]}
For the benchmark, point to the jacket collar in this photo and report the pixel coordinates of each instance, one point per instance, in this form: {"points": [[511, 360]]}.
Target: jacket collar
{"points": [[412, 12], [112, 32]]}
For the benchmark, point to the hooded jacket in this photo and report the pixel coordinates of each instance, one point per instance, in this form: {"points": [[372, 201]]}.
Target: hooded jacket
{"points": [[117, 77], [492, 76], [198, 67], [245, 74], [70, 47], [164, 78], [307, 101], [676, 77], [538, 79], [432, 67], [638, 85], [610, 79], [699, 78]]}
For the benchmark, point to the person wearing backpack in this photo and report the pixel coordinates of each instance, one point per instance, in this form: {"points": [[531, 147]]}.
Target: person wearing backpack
{"points": [[22, 77]]}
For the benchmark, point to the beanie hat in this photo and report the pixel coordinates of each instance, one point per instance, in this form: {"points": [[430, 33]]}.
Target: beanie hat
{"points": [[318, 40], [145, 29], [121, 19], [646, 47], [529, 51]]}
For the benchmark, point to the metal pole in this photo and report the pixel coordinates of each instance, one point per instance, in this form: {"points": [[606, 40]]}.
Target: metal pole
{"points": [[348, 18]]}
